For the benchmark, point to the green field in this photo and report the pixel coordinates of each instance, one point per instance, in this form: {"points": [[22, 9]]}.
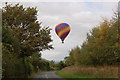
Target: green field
{"points": [[69, 75]]}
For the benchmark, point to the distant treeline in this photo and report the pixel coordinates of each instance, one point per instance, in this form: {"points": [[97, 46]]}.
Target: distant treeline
{"points": [[101, 47], [22, 41]]}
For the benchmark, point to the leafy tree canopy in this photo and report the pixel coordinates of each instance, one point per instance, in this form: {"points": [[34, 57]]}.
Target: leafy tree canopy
{"points": [[23, 23]]}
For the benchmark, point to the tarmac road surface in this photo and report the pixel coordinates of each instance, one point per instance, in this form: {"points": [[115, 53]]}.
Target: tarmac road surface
{"points": [[48, 76]]}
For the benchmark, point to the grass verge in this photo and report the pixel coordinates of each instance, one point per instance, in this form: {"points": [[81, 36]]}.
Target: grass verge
{"points": [[71, 76]]}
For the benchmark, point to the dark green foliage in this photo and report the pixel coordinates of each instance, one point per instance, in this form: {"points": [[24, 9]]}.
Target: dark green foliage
{"points": [[52, 65], [9, 38], [23, 22], [23, 39], [60, 65], [11, 63], [9, 66], [41, 65]]}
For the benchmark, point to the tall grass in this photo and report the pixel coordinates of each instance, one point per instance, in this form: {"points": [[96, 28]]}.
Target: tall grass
{"points": [[97, 72]]}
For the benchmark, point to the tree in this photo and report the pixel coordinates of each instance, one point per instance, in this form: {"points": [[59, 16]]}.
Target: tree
{"points": [[60, 65], [23, 22], [9, 38], [10, 60], [101, 46], [68, 61], [23, 39], [52, 65]]}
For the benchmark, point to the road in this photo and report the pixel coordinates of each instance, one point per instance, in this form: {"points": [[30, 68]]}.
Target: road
{"points": [[48, 76]]}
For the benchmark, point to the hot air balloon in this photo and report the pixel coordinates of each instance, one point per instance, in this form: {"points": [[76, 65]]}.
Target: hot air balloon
{"points": [[62, 30]]}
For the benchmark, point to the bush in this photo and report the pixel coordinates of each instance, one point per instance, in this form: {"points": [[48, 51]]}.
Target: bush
{"points": [[11, 64], [97, 72]]}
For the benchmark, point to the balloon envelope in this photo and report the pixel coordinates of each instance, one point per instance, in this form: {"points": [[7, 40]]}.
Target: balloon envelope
{"points": [[62, 30]]}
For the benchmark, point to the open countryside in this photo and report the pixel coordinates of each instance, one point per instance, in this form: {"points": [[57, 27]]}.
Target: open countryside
{"points": [[58, 40]]}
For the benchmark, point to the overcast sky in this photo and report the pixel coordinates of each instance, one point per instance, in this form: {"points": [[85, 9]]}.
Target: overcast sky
{"points": [[82, 16]]}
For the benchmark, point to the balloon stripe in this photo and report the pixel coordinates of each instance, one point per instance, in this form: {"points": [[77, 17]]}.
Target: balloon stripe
{"points": [[63, 36], [65, 33], [65, 30], [59, 25], [62, 29], [62, 24]]}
